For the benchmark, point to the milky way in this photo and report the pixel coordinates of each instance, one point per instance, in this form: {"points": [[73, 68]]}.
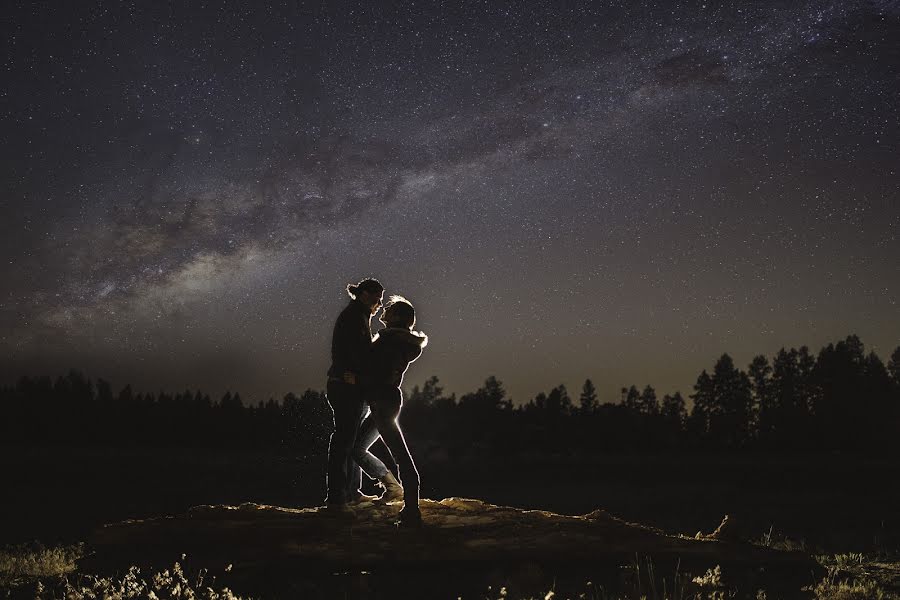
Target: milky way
{"points": [[614, 192]]}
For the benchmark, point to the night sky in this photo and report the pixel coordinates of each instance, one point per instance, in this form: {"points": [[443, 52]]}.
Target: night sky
{"points": [[616, 192]]}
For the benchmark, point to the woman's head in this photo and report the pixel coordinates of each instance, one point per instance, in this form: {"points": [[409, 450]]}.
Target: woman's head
{"points": [[368, 291], [398, 312]]}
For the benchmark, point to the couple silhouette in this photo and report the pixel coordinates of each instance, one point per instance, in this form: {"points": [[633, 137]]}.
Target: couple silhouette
{"points": [[364, 393]]}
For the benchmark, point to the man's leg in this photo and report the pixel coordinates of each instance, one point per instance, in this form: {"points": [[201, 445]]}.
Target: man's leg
{"points": [[353, 470], [347, 405]]}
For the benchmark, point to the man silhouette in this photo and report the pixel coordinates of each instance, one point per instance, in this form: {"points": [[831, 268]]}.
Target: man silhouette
{"points": [[351, 345]]}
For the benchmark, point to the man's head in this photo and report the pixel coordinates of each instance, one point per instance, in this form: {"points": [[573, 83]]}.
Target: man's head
{"points": [[399, 312], [370, 292]]}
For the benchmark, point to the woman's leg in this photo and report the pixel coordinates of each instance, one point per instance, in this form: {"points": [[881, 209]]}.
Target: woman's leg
{"points": [[368, 433], [386, 411]]}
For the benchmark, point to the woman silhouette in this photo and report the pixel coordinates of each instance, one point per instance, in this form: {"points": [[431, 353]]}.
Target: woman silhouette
{"points": [[393, 349]]}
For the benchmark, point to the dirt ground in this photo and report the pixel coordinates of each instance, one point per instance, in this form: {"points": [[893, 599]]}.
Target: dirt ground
{"points": [[829, 504], [843, 509]]}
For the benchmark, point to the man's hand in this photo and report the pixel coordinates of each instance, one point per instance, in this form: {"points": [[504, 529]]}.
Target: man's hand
{"points": [[350, 377]]}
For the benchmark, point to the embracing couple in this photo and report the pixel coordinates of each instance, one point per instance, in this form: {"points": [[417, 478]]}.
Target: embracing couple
{"points": [[364, 394]]}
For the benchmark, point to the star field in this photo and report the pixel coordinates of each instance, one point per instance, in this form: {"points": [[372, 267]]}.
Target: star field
{"points": [[616, 191]]}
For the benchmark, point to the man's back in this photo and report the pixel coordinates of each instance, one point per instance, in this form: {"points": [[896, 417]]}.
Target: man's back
{"points": [[351, 341]]}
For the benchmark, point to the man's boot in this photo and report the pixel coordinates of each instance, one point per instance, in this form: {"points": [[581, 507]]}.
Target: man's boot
{"points": [[338, 508], [393, 491]]}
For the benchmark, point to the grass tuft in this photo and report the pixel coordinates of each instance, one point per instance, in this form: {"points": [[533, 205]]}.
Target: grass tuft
{"points": [[27, 562], [170, 583]]}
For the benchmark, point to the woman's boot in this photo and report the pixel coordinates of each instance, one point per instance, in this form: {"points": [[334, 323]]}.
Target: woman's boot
{"points": [[393, 491], [410, 517]]}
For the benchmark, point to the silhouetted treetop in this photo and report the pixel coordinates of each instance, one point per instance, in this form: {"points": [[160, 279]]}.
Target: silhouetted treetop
{"points": [[842, 398]]}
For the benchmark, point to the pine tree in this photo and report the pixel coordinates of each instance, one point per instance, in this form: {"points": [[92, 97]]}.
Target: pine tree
{"points": [[648, 404], [673, 409], [490, 397], [558, 401], [704, 406], [588, 400], [631, 399], [126, 396], [760, 373], [894, 366], [838, 379], [730, 421]]}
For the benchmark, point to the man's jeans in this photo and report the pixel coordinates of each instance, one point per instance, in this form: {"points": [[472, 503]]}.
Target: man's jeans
{"points": [[349, 407], [385, 404]]}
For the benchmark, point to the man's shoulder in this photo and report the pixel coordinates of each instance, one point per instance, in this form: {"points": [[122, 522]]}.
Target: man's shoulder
{"points": [[353, 309]]}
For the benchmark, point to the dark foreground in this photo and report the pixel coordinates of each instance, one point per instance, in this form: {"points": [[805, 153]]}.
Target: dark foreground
{"points": [[268, 547], [817, 504]]}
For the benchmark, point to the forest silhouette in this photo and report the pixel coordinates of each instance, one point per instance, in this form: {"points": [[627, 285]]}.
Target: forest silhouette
{"points": [[841, 399]]}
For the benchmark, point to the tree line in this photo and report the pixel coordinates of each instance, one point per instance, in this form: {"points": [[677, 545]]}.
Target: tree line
{"points": [[840, 399]]}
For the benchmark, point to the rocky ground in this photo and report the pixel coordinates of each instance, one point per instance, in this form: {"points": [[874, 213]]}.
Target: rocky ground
{"points": [[527, 548]]}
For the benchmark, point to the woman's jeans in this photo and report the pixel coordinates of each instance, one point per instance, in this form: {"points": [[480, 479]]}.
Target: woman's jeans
{"points": [[385, 403]]}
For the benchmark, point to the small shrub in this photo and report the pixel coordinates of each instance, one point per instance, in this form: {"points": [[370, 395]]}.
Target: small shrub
{"points": [[168, 584], [849, 560], [27, 562], [848, 590], [712, 578]]}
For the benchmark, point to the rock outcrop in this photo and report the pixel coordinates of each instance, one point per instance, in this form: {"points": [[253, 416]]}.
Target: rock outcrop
{"points": [[257, 538]]}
